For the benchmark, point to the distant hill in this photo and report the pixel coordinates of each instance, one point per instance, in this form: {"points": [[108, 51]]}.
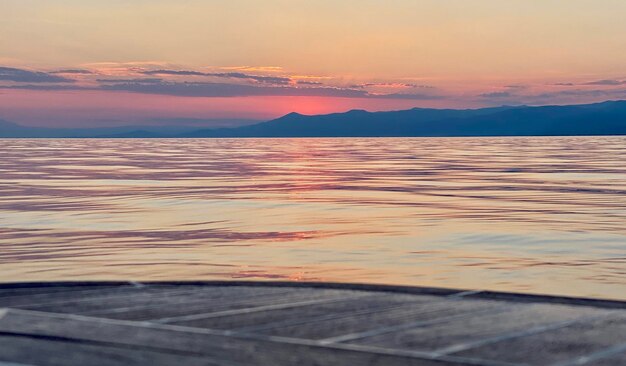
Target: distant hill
{"points": [[8, 129], [607, 118]]}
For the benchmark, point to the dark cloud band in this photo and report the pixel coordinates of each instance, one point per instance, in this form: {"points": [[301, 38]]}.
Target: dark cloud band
{"points": [[233, 75], [27, 76]]}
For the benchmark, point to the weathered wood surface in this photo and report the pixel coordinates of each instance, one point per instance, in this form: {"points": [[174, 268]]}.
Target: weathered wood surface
{"points": [[244, 323]]}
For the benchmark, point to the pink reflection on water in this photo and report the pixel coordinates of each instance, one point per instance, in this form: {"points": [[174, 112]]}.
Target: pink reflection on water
{"points": [[522, 214]]}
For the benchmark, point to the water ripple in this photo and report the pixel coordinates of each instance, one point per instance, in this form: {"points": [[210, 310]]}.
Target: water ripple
{"points": [[543, 215]]}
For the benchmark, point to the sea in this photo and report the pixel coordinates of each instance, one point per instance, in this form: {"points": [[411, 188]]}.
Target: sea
{"points": [[542, 215]]}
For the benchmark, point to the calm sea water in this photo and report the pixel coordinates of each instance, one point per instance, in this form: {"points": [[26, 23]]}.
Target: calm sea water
{"points": [[540, 215]]}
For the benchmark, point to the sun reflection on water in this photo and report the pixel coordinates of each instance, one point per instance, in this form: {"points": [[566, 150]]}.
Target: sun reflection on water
{"points": [[544, 215]]}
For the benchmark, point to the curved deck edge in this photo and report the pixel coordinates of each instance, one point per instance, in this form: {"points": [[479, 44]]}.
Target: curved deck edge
{"points": [[478, 294]]}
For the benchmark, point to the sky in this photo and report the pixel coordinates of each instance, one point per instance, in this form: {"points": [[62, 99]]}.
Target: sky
{"points": [[85, 63]]}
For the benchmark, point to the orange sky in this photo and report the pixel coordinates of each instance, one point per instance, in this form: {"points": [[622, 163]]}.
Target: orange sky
{"points": [[93, 63]]}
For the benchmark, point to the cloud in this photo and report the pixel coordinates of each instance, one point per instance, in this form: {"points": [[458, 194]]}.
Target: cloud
{"points": [[582, 93], [201, 89], [142, 81], [72, 71], [502, 94], [174, 72], [306, 82], [262, 79], [604, 82], [393, 85], [254, 68], [232, 75], [27, 76], [516, 86], [609, 82], [251, 85], [222, 90], [415, 96], [46, 87], [555, 96]]}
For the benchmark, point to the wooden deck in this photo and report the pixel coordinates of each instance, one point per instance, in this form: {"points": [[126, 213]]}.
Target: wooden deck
{"points": [[247, 323]]}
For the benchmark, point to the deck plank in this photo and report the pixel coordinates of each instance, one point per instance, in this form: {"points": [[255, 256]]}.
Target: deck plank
{"points": [[450, 336], [97, 294], [159, 297], [46, 352], [559, 345], [244, 323], [173, 312], [614, 360], [339, 308], [425, 311], [193, 341]]}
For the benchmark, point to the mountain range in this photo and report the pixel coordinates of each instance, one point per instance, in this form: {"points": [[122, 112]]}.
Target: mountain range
{"points": [[606, 118]]}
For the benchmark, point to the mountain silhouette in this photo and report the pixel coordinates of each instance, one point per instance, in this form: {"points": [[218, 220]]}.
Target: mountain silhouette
{"points": [[9, 129], [606, 118]]}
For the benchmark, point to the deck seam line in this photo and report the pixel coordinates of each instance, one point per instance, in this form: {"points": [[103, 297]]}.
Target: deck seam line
{"points": [[273, 339], [274, 325], [120, 345], [144, 307], [423, 355], [250, 310], [344, 314], [61, 292], [384, 330], [96, 299], [130, 323], [4, 363], [462, 294], [516, 334], [595, 356]]}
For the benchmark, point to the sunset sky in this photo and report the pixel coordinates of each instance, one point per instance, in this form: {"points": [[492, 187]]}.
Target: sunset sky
{"points": [[117, 62]]}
